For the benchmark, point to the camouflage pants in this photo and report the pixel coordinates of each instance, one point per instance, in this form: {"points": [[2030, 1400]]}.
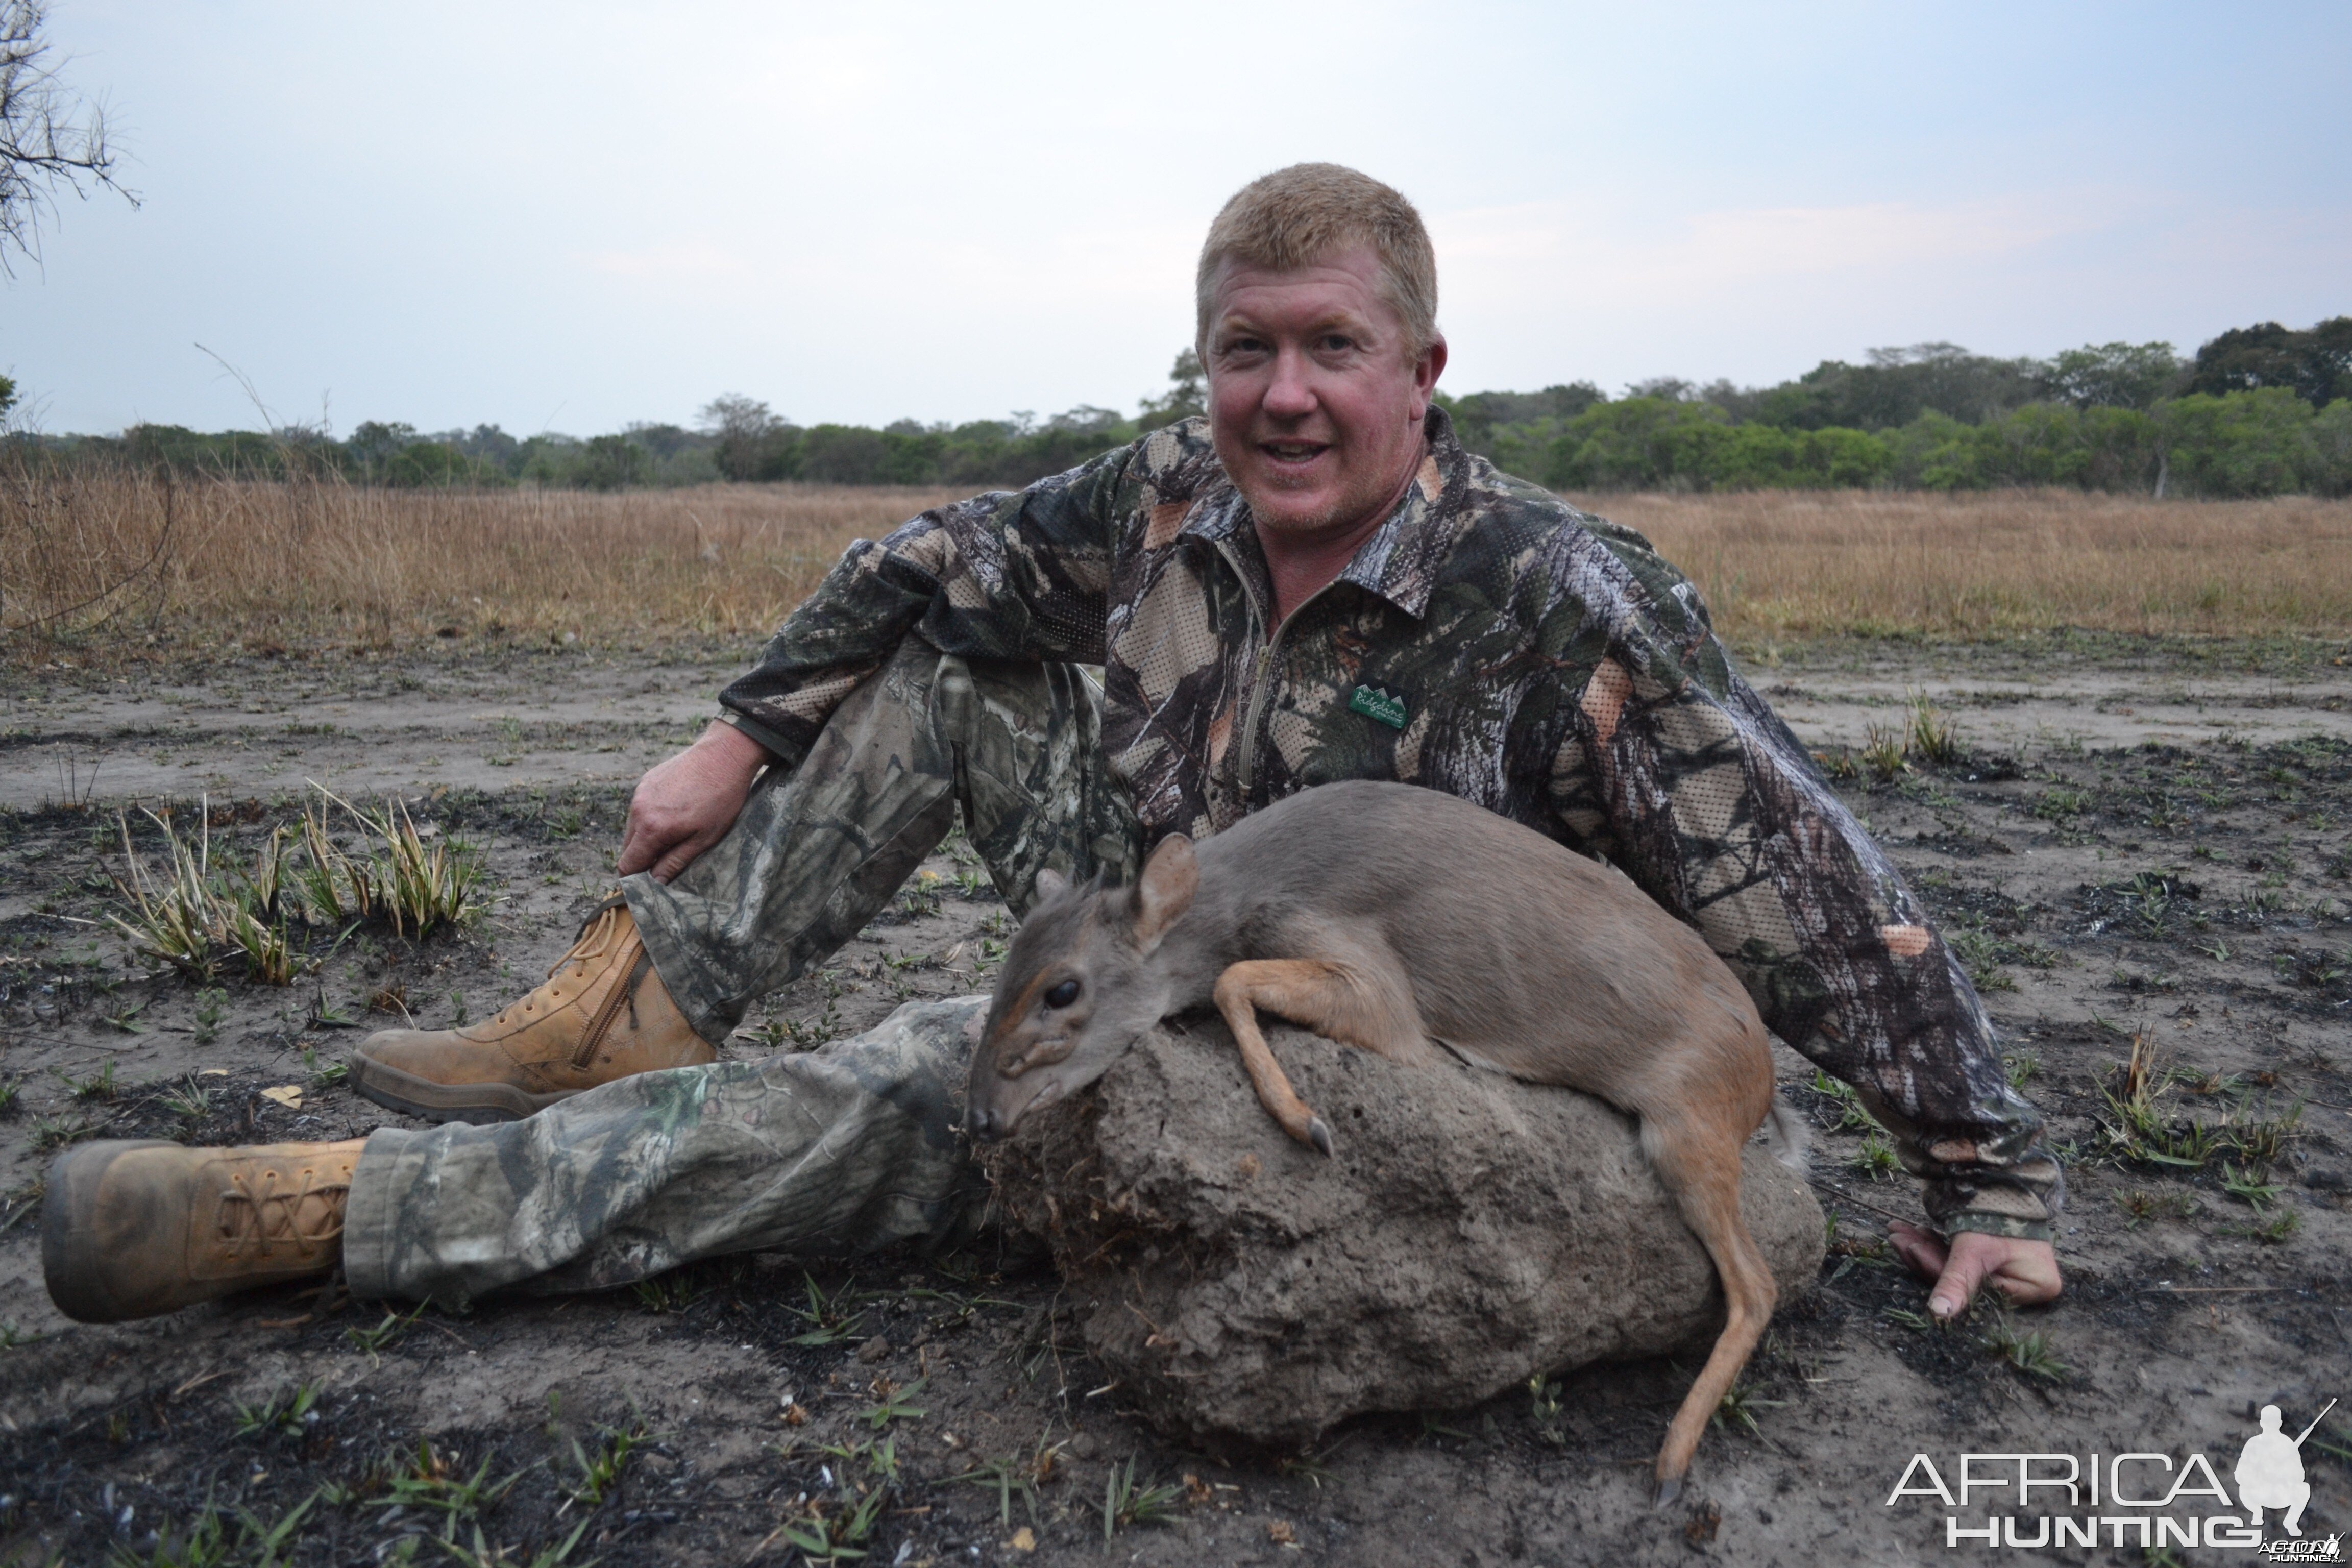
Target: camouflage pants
{"points": [[847, 1149]]}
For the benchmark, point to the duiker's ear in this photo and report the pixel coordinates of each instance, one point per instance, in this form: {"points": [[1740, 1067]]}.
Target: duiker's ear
{"points": [[1050, 884], [1165, 892]]}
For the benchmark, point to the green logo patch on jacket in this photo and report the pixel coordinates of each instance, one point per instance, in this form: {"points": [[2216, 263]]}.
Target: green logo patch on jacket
{"points": [[1378, 702]]}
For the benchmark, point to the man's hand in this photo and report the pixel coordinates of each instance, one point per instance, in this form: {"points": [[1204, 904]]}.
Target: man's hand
{"points": [[2026, 1272], [686, 804]]}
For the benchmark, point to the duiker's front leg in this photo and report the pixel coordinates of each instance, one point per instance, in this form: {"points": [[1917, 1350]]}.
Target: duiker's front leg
{"points": [[1291, 987], [1353, 1005]]}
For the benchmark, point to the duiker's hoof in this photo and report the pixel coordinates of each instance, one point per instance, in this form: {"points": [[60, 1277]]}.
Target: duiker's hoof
{"points": [[1669, 1490], [1318, 1134]]}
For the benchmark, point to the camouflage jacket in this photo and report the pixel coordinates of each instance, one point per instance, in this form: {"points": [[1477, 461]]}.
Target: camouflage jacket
{"points": [[1489, 640]]}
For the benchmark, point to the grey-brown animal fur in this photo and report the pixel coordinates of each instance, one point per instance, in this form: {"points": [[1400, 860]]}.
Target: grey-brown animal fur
{"points": [[1401, 919]]}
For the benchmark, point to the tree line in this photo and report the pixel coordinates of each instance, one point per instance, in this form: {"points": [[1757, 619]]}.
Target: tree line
{"points": [[2259, 410]]}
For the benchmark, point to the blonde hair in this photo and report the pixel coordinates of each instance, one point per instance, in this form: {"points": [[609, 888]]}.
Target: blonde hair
{"points": [[1299, 215]]}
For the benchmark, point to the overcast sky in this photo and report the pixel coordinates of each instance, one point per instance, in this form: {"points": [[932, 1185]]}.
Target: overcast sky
{"points": [[574, 215]]}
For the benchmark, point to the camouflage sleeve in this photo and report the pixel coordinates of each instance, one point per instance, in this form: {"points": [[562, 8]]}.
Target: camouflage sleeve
{"points": [[1678, 771], [1010, 574]]}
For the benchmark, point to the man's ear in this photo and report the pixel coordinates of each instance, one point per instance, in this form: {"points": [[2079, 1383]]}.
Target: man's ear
{"points": [[1427, 366], [1165, 892], [1051, 884]]}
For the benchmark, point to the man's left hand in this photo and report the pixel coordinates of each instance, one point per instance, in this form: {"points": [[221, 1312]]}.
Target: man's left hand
{"points": [[2025, 1272]]}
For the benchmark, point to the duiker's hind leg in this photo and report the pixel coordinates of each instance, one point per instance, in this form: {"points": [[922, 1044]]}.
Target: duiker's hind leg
{"points": [[1336, 1001], [1696, 1156]]}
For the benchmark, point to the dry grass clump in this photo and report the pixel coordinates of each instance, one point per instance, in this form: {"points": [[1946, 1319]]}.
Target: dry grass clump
{"points": [[200, 909], [1811, 563], [103, 559]]}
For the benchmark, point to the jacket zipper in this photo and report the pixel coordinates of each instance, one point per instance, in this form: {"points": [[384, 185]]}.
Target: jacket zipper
{"points": [[1265, 679]]}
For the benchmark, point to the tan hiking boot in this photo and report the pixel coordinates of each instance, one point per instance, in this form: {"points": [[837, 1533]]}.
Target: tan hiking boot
{"points": [[602, 1014], [132, 1229]]}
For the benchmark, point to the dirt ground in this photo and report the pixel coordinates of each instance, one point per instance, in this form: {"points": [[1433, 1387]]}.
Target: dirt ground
{"points": [[2128, 839]]}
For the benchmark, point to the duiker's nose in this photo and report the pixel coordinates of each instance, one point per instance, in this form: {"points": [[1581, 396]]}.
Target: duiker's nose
{"points": [[981, 1123]]}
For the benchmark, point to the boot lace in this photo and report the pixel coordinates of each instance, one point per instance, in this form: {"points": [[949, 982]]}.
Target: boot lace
{"points": [[273, 1218]]}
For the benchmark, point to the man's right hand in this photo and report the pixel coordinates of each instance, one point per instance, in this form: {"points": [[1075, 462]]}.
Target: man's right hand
{"points": [[686, 804]]}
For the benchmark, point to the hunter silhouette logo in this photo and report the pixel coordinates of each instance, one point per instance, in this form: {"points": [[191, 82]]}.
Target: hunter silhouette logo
{"points": [[2270, 1471], [2145, 1500]]}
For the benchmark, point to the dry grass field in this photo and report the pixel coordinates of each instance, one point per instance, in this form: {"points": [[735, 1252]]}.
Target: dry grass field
{"points": [[94, 563], [1862, 562], [86, 558]]}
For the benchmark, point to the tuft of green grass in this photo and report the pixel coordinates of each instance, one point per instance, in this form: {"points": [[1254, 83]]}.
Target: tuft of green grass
{"points": [[191, 1101], [1883, 752], [831, 1318], [893, 1406], [2060, 805], [290, 1414], [373, 1342], [212, 1006], [481, 1555], [2140, 1206], [1851, 1116], [1127, 1503], [1933, 735], [921, 895], [1012, 1475], [100, 1085], [2263, 1140], [831, 1538], [429, 1480], [672, 1292], [2252, 1187], [51, 1133], [1738, 1406], [2032, 1354], [1543, 1405], [174, 915], [878, 1457], [1876, 1158], [1980, 954], [205, 1542], [600, 1470]]}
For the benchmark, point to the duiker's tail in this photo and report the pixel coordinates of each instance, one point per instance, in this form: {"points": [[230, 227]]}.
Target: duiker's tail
{"points": [[1787, 1132]]}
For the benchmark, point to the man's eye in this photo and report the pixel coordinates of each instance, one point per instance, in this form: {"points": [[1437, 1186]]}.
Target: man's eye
{"points": [[1062, 996]]}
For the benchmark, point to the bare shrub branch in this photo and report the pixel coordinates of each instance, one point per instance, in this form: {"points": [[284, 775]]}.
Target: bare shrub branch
{"points": [[50, 139]]}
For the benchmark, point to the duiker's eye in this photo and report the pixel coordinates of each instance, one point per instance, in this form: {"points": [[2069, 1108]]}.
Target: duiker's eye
{"points": [[1062, 996]]}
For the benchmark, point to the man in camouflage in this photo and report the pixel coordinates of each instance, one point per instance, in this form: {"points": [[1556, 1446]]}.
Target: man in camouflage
{"points": [[1315, 581]]}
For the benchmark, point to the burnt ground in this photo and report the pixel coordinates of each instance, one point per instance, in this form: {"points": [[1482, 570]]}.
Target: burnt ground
{"points": [[2130, 841]]}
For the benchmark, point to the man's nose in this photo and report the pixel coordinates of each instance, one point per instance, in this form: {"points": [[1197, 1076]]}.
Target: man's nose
{"points": [[1290, 396]]}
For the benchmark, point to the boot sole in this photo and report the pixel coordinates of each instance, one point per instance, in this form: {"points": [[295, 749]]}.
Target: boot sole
{"points": [[479, 1104]]}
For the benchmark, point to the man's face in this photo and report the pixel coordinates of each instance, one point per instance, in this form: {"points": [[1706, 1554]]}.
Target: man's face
{"points": [[1315, 401]]}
